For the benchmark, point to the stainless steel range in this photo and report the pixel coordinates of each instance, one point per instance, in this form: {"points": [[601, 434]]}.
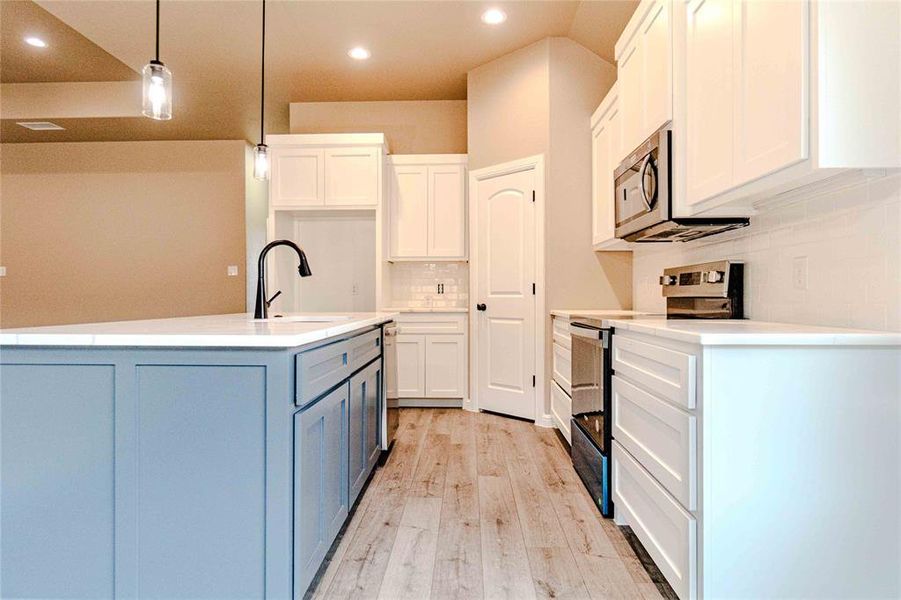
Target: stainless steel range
{"points": [[711, 290]]}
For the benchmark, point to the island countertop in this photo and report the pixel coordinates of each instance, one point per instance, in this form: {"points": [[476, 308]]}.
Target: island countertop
{"points": [[238, 330]]}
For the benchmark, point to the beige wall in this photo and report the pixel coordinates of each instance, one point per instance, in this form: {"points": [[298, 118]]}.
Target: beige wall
{"points": [[102, 231], [576, 276], [412, 127], [508, 106], [539, 100]]}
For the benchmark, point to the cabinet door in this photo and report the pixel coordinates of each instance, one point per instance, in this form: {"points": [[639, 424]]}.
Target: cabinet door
{"points": [[708, 83], [363, 426], [320, 481], [297, 177], [657, 83], [771, 57], [409, 212], [447, 211], [445, 366], [605, 150], [352, 176], [630, 95], [410, 366], [372, 413]]}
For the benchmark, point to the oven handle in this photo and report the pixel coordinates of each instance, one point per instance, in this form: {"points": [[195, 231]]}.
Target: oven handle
{"points": [[600, 336]]}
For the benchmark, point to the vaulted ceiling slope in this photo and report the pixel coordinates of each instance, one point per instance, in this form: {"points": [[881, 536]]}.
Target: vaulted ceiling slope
{"points": [[421, 50]]}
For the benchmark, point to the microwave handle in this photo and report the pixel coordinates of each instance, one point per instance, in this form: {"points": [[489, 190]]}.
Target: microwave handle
{"points": [[641, 173]]}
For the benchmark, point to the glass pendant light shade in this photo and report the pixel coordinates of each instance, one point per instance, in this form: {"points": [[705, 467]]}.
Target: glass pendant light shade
{"points": [[157, 91], [261, 162]]}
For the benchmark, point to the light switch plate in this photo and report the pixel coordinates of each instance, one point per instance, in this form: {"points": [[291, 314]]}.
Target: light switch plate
{"points": [[799, 272], [232, 270]]}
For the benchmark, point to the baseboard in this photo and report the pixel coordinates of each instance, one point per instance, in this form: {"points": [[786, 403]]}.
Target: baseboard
{"points": [[544, 421], [430, 402]]}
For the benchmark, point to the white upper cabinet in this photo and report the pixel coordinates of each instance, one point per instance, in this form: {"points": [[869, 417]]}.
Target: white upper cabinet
{"points": [[644, 60], [298, 175], [708, 90], [774, 95], [606, 147], [408, 210], [770, 44], [427, 214], [447, 210], [352, 176], [321, 171]]}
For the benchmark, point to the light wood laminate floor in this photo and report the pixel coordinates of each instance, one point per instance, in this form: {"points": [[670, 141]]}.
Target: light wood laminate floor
{"points": [[475, 505]]}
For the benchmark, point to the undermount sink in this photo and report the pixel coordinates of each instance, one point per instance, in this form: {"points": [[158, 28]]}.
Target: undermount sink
{"points": [[306, 318]]}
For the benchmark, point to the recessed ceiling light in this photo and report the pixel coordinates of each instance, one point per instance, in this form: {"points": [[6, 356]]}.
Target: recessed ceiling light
{"points": [[36, 42], [494, 16], [359, 53], [41, 126]]}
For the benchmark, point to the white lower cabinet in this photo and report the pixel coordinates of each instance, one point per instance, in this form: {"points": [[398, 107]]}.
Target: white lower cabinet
{"points": [[433, 361], [561, 386], [561, 410], [738, 462], [410, 366], [445, 366], [666, 530]]}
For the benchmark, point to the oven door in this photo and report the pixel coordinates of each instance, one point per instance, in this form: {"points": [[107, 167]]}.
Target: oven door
{"points": [[589, 406], [642, 186]]}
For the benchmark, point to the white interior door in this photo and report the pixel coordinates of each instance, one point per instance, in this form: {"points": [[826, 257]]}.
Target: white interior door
{"points": [[505, 265]]}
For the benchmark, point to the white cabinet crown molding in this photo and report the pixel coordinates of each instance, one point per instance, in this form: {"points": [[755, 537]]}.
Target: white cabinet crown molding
{"points": [[428, 159], [327, 139]]}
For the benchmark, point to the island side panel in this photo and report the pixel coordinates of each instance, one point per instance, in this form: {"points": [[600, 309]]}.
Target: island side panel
{"points": [[201, 480], [196, 448], [56, 480]]}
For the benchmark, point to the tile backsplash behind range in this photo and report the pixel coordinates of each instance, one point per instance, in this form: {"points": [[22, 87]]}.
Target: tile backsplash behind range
{"points": [[415, 284], [846, 240]]}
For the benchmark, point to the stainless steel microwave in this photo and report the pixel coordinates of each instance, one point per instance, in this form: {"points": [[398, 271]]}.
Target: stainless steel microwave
{"points": [[643, 198]]}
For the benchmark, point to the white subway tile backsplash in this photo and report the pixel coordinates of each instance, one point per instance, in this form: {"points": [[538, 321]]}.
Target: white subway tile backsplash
{"points": [[415, 284], [849, 236]]}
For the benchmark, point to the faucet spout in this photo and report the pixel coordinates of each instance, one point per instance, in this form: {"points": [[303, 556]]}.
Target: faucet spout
{"points": [[261, 306]]}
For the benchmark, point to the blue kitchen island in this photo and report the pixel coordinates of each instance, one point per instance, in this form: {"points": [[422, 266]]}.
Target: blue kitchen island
{"points": [[199, 457]]}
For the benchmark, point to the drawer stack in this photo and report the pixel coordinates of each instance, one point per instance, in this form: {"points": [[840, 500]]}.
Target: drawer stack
{"points": [[561, 386], [655, 461]]}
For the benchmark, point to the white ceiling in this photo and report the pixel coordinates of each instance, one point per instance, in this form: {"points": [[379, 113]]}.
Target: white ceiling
{"points": [[421, 50]]}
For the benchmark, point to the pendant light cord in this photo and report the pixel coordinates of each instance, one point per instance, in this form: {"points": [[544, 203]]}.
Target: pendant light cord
{"points": [[157, 30], [263, 76]]}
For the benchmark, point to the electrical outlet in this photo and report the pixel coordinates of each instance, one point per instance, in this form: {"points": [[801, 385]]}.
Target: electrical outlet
{"points": [[799, 272], [232, 270], [2, 271]]}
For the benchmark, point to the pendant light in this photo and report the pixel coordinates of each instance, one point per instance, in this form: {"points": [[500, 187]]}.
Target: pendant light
{"points": [[261, 152], [157, 83]]}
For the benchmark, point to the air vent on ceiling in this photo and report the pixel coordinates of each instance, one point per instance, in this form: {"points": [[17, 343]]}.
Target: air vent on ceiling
{"points": [[41, 126]]}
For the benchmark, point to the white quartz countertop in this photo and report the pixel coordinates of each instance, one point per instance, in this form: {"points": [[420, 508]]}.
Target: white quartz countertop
{"points": [[612, 313], [754, 333], [227, 331], [427, 309]]}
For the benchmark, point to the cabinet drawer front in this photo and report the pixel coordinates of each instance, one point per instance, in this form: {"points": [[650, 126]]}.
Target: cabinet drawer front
{"points": [[364, 348], [425, 323], [561, 410], [563, 368], [320, 369], [561, 332], [668, 373], [662, 438], [666, 530]]}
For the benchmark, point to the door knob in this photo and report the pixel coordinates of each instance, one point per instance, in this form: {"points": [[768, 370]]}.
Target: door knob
{"points": [[481, 307]]}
